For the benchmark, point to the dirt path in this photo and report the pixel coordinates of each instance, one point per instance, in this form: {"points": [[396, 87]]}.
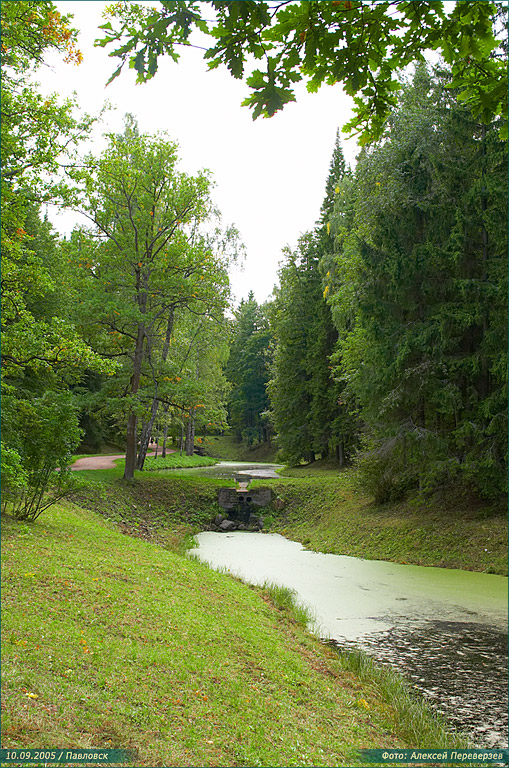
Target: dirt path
{"points": [[103, 462]]}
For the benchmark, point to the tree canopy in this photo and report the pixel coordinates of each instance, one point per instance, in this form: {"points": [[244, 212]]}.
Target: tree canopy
{"points": [[418, 290], [43, 354], [362, 44], [144, 259]]}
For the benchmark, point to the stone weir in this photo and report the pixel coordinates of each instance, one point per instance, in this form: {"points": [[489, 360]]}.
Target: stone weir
{"points": [[242, 508]]}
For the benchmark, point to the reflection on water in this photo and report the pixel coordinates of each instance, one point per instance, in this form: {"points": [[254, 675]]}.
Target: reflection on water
{"points": [[459, 667], [445, 629]]}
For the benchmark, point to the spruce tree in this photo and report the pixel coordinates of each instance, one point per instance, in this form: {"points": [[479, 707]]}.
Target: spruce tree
{"points": [[309, 413], [420, 295], [247, 372]]}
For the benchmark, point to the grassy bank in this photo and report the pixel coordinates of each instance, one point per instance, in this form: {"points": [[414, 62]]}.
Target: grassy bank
{"points": [[177, 461], [324, 509], [158, 508], [226, 448], [110, 640]]}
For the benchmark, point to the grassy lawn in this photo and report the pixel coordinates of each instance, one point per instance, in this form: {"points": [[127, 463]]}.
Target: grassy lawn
{"points": [[226, 448], [113, 641], [177, 461], [325, 510]]}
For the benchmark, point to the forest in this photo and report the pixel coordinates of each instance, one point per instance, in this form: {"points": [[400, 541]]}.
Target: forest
{"points": [[384, 345], [367, 397]]}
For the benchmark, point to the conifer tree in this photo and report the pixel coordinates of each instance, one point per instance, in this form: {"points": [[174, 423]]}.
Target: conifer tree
{"points": [[419, 297], [247, 371], [310, 416]]}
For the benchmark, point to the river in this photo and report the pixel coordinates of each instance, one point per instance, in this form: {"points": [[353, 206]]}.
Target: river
{"points": [[446, 630]]}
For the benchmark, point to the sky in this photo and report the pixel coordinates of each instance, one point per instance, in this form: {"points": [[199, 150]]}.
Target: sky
{"points": [[269, 174]]}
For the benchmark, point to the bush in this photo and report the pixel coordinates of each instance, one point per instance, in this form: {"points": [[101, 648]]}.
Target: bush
{"points": [[41, 437], [411, 459]]}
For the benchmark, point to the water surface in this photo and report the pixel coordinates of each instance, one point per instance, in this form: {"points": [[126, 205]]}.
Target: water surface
{"points": [[241, 470], [446, 629]]}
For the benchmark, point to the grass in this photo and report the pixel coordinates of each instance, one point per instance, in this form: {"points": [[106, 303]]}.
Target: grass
{"points": [[111, 640], [226, 448], [414, 722], [325, 510], [285, 599], [156, 507], [177, 461]]}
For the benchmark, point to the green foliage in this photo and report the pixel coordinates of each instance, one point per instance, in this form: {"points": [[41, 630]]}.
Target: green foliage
{"points": [[291, 314], [42, 434], [42, 352], [247, 372], [307, 404], [362, 45], [418, 294], [151, 279]]}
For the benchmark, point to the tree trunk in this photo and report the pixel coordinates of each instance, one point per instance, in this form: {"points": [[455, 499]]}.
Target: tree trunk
{"points": [[146, 433], [130, 452], [165, 434], [148, 427], [484, 386], [190, 433]]}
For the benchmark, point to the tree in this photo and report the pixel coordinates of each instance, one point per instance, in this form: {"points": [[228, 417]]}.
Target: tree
{"points": [[144, 257], [43, 355], [359, 43], [291, 314], [37, 132], [247, 371], [337, 170], [418, 295], [202, 348], [307, 402]]}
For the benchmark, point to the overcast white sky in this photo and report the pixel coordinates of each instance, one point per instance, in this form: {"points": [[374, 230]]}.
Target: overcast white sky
{"points": [[270, 174]]}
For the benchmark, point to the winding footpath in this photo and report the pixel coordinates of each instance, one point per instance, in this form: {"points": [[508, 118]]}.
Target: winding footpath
{"points": [[104, 462]]}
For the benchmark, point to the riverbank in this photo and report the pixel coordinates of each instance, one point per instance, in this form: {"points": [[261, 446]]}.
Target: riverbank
{"points": [[224, 447], [110, 640], [165, 508], [326, 511], [322, 508]]}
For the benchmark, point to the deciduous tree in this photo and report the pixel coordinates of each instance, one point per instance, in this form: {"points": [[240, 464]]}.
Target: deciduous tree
{"points": [[361, 44], [144, 256]]}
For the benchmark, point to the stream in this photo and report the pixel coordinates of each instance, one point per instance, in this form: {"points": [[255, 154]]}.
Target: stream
{"points": [[236, 470], [444, 629]]}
